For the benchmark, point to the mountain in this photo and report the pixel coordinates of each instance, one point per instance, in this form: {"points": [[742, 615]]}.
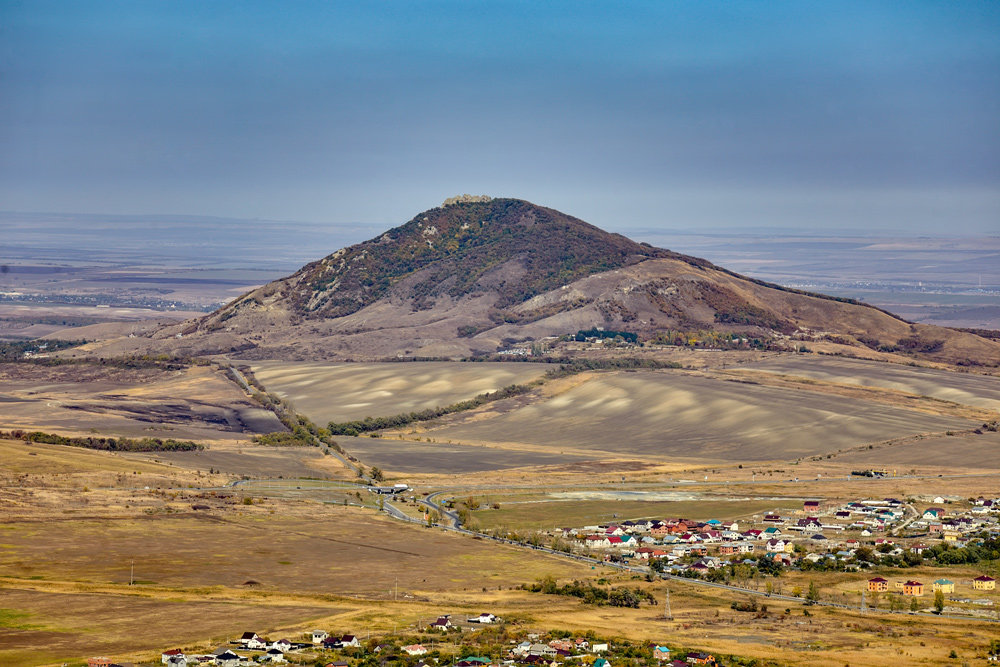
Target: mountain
{"points": [[478, 274]]}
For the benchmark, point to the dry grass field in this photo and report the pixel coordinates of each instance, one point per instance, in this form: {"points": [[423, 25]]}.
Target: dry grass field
{"points": [[196, 403], [253, 461], [682, 417], [39, 628], [340, 392], [964, 388]]}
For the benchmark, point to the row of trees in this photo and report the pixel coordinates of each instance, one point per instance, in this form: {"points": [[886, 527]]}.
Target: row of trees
{"points": [[615, 596], [105, 443]]}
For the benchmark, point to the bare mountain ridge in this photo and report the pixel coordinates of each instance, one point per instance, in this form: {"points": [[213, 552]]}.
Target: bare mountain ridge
{"points": [[471, 276]]}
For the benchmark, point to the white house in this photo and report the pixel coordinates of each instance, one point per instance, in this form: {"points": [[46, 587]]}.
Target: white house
{"points": [[274, 655], [227, 659], [599, 648], [415, 649], [172, 654], [318, 636], [485, 617]]}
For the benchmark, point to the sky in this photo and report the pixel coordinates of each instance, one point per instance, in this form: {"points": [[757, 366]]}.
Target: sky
{"points": [[807, 116]]}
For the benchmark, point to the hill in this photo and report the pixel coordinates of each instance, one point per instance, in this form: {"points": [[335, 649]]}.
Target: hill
{"points": [[477, 274]]}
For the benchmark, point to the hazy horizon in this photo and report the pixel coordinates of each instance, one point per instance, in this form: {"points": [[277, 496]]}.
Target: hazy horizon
{"points": [[702, 117]]}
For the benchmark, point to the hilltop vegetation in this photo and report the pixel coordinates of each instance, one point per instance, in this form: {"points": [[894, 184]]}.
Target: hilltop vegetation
{"points": [[462, 249]]}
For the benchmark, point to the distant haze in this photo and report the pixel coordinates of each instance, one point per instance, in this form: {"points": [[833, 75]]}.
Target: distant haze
{"points": [[684, 116]]}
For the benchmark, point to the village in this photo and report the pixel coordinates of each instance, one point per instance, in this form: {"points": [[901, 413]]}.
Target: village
{"points": [[436, 646], [858, 535]]}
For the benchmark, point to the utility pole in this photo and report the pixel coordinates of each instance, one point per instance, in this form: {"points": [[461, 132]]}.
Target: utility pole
{"points": [[864, 601], [131, 574], [395, 595], [667, 614]]}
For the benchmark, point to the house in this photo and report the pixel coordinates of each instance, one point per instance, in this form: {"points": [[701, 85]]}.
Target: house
{"points": [[227, 658], [914, 588], [318, 636], [943, 585], [599, 648], [661, 653], [167, 656], [810, 505], [485, 617], [99, 662], [473, 661], [601, 662], [274, 655], [878, 585], [282, 645], [349, 641], [442, 623], [249, 637], [177, 661], [415, 649], [984, 583], [700, 658]]}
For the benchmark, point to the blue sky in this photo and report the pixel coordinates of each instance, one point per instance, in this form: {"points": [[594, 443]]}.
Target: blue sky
{"points": [[805, 115]]}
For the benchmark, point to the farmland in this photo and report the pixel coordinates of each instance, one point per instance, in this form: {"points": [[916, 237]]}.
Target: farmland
{"points": [[340, 392], [676, 416], [964, 388]]}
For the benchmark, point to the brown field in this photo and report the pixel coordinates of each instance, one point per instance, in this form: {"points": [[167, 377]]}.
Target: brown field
{"points": [[411, 456], [196, 403], [327, 392], [981, 391], [678, 416], [38, 627], [251, 460]]}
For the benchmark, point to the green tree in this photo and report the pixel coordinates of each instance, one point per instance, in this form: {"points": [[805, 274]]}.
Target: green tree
{"points": [[377, 474], [914, 605], [813, 594]]}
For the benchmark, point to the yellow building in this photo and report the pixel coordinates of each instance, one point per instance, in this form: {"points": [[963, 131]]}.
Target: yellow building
{"points": [[984, 583], [914, 588], [943, 585]]}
